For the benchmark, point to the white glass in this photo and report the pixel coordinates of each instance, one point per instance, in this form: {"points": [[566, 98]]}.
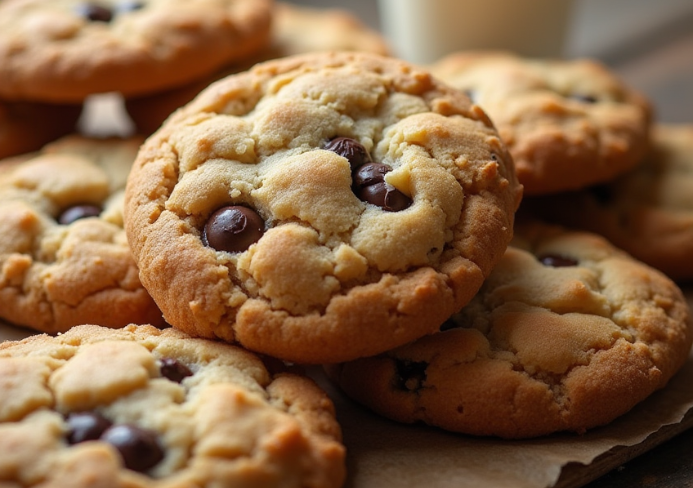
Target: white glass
{"points": [[422, 31]]}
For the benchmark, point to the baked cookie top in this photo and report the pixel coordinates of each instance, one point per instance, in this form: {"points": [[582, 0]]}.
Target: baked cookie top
{"points": [[27, 126], [566, 334], [320, 207], [144, 408], [64, 258], [65, 50], [647, 212], [295, 30], [567, 123]]}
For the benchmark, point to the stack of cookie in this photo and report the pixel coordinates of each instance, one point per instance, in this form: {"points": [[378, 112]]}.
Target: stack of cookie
{"points": [[353, 210], [338, 208]]}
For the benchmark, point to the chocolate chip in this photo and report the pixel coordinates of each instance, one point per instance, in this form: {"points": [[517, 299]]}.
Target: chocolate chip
{"points": [[556, 260], [370, 186], [584, 98], [233, 229], [370, 174], [138, 447], [385, 196], [174, 370], [411, 375], [85, 426], [78, 212], [350, 149], [94, 12]]}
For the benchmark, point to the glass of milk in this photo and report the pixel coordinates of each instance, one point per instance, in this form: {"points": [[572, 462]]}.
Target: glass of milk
{"points": [[422, 31]]}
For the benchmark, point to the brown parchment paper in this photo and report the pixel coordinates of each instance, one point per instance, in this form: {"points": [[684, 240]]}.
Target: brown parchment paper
{"points": [[384, 454]]}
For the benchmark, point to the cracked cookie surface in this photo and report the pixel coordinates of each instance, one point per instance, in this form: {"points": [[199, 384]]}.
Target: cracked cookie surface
{"points": [[566, 334], [567, 123], [139, 407], [363, 245], [64, 258], [647, 212], [66, 50]]}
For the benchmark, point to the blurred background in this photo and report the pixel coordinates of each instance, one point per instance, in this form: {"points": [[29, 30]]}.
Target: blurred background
{"points": [[648, 43]]}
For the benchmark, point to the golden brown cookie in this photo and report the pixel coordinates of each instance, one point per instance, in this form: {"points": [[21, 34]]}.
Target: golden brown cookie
{"points": [[647, 212], [64, 258], [66, 50], [27, 126], [145, 408], [566, 334], [568, 123], [320, 207], [295, 30]]}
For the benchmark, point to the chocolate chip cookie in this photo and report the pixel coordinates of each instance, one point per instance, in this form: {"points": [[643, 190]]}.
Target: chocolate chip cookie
{"points": [[64, 258], [143, 408], [320, 207], [568, 123], [566, 334], [295, 30], [647, 212], [26, 126], [66, 50]]}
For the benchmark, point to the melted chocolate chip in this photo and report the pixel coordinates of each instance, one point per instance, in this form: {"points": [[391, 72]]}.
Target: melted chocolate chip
{"points": [[370, 186], [350, 149], [411, 375], [78, 212], [385, 196], [557, 261], [138, 447], [233, 229], [584, 98], [370, 174], [174, 370], [94, 12], [85, 426]]}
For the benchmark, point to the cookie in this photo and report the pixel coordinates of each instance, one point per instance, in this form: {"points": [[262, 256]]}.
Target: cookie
{"points": [[295, 30], [66, 50], [320, 207], [647, 212], [27, 126], [567, 334], [64, 258], [143, 408], [568, 123], [298, 30]]}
